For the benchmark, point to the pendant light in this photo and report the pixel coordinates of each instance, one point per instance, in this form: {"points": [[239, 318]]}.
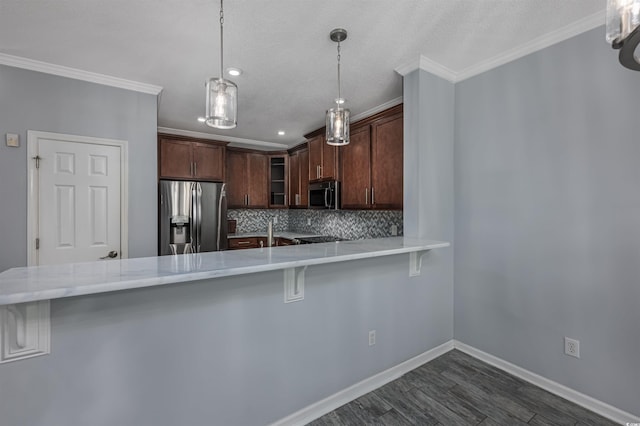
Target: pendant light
{"points": [[222, 95], [338, 117], [623, 30]]}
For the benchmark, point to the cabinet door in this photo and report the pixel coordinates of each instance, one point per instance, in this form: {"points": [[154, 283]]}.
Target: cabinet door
{"points": [[236, 179], [329, 169], [304, 183], [355, 170], [175, 159], [387, 162], [294, 178], [315, 157], [258, 172], [322, 159], [208, 162]]}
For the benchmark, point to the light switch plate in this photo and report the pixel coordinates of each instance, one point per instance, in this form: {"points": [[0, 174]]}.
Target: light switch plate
{"points": [[13, 140]]}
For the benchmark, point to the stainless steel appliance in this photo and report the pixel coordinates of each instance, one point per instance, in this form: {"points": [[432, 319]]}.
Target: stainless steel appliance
{"points": [[324, 195], [192, 217]]}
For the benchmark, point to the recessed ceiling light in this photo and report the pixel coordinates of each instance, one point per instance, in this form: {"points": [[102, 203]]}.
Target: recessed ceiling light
{"points": [[281, 132], [202, 119], [234, 71], [340, 101]]}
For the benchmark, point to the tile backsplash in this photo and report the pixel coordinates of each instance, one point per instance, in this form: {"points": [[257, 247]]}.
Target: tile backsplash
{"points": [[348, 224]]}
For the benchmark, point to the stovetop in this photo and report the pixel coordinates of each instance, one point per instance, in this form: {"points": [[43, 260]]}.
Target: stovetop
{"points": [[319, 239]]}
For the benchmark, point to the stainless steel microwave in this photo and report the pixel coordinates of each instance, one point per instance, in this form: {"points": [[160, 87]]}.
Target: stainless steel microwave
{"points": [[324, 195]]}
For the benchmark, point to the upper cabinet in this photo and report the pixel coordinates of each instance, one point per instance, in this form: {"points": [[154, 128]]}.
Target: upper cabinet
{"points": [[298, 182], [278, 180], [323, 158], [188, 158], [371, 166], [247, 174]]}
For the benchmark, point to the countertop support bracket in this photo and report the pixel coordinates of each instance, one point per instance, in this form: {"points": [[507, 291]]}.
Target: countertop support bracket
{"points": [[25, 330], [415, 262], [294, 284]]}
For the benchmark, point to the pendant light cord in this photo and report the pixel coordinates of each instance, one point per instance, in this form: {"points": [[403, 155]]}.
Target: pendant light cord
{"points": [[221, 40], [339, 94]]}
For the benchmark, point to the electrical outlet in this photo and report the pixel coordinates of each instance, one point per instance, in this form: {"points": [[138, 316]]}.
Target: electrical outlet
{"points": [[394, 230], [372, 337], [309, 221], [275, 220], [572, 347]]}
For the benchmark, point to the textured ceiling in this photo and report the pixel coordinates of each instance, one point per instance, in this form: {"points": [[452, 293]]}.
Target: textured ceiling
{"points": [[283, 47]]}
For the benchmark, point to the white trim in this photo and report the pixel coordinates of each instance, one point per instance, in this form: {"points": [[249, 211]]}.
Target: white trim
{"points": [[592, 404], [232, 140], [375, 110], [585, 24], [92, 77], [32, 185], [428, 65], [320, 408]]}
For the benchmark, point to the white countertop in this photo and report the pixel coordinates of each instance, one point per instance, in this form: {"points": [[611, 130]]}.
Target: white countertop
{"points": [[34, 283]]}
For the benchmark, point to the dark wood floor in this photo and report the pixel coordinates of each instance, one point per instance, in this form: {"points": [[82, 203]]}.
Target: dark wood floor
{"points": [[456, 389]]}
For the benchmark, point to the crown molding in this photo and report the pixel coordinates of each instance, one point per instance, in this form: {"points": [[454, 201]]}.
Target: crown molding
{"points": [[585, 24], [429, 66], [233, 141], [375, 110], [92, 77]]}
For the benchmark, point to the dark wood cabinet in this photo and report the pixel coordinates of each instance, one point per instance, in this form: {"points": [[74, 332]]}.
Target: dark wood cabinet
{"points": [[371, 166], [387, 162], [247, 174], [356, 170], [322, 158], [278, 182], [298, 182], [246, 242], [188, 158]]}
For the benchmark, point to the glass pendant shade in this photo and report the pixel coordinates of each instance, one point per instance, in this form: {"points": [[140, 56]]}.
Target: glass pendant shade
{"points": [[337, 126], [222, 104], [623, 16]]}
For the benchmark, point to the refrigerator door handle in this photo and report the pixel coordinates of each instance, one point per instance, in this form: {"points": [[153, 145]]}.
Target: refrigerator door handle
{"points": [[199, 220], [223, 195], [194, 219]]}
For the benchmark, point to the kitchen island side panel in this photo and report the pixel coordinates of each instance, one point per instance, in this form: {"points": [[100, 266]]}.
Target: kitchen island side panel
{"points": [[31, 100], [227, 351]]}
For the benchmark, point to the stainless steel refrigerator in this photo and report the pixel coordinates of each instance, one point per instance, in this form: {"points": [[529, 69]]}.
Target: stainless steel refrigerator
{"points": [[192, 217]]}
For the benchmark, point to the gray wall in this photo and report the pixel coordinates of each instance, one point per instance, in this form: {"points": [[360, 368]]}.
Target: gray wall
{"points": [[547, 243], [31, 100], [226, 351], [428, 175]]}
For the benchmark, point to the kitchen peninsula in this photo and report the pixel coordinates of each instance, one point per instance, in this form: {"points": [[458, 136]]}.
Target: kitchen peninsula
{"points": [[29, 284]]}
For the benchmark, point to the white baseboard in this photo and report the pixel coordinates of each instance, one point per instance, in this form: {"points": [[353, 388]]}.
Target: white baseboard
{"points": [[605, 410], [320, 408]]}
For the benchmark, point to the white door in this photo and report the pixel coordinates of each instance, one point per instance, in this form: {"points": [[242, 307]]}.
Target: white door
{"points": [[78, 198]]}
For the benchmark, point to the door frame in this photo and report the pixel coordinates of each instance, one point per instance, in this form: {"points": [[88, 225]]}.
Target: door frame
{"points": [[33, 137]]}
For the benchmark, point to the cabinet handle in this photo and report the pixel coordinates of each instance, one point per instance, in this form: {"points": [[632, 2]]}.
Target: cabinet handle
{"points": [[297, 199], [318, 171], [195, 168], [285, 199], [191, 168], [366, 195], [243, 243], [373, 196]]}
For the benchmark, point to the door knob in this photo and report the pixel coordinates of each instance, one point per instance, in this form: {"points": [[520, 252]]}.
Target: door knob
{"points": [[112, 254]]}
